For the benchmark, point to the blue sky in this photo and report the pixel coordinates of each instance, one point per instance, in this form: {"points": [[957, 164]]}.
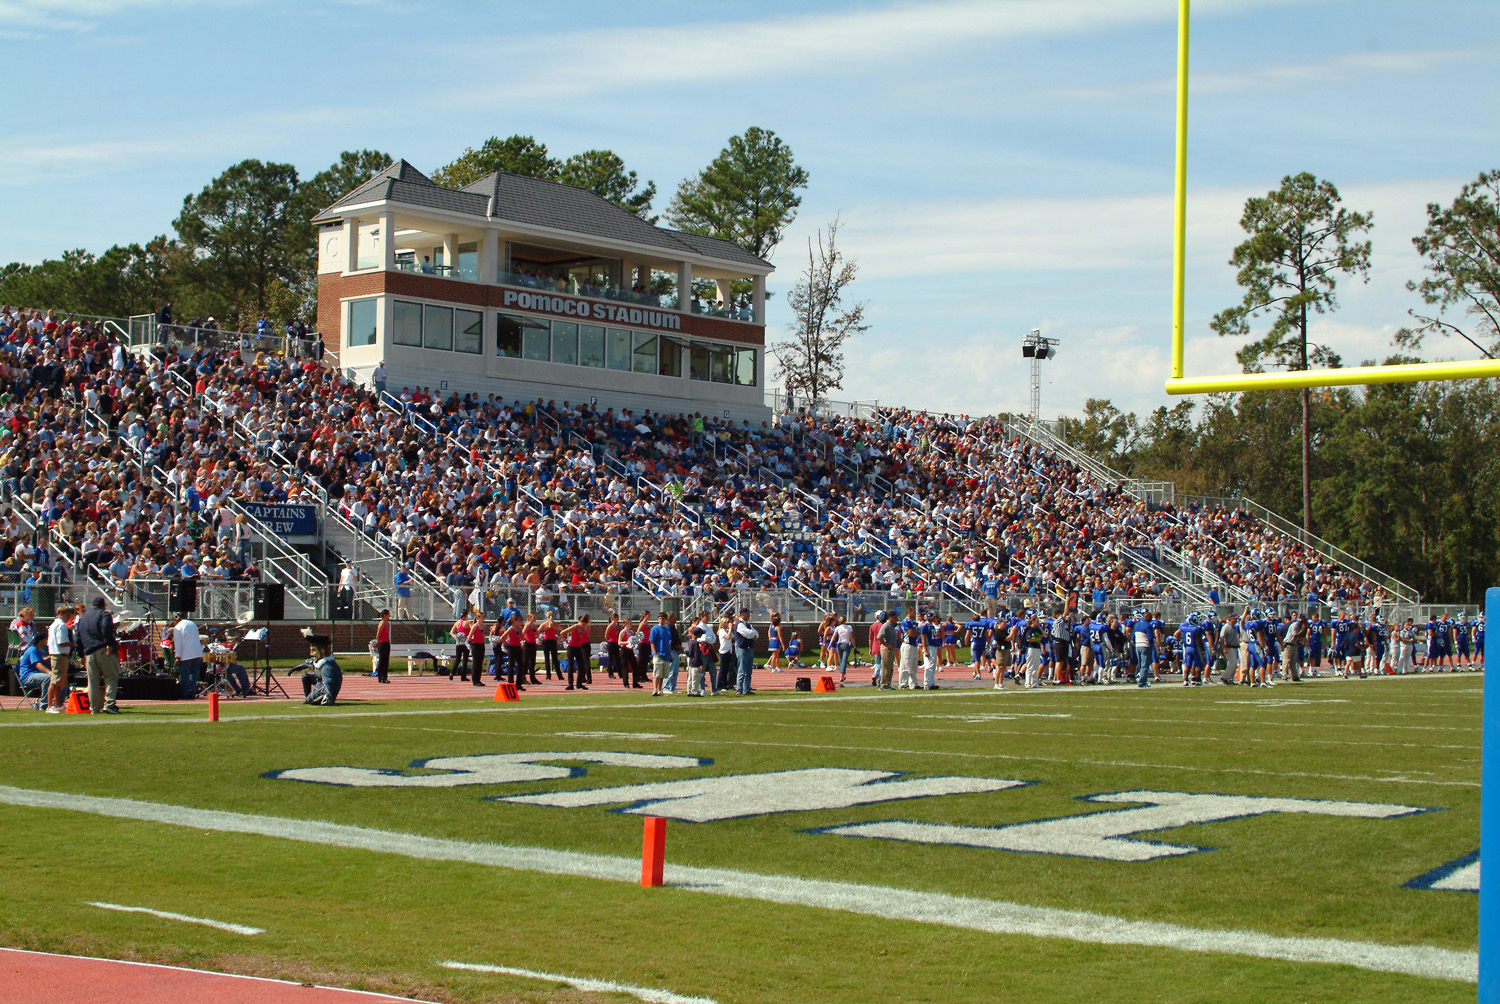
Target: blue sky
{"points": [[999, 165]]}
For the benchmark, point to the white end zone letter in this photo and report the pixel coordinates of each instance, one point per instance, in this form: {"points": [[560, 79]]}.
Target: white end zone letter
{"points": [[1106, 835]]}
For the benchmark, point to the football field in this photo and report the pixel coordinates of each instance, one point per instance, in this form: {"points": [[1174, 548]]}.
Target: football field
{"points": [[1312, 842]]}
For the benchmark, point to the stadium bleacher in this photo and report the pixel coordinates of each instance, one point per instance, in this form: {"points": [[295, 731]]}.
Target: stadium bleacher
{"points": [[128, 465]]}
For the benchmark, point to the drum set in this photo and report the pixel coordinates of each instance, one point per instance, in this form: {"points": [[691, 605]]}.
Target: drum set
{"points": [[138, 653]]}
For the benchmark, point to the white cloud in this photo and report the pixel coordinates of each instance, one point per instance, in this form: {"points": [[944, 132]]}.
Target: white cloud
{"points": [[795, 46], [1342, 68], [966, 254]]}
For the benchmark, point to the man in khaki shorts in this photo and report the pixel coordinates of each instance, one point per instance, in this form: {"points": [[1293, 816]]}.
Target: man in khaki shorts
{"points": [[59, 653]]}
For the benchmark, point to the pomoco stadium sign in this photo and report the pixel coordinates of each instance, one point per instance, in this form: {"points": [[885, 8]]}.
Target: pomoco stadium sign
{"points": [[569, 306]]}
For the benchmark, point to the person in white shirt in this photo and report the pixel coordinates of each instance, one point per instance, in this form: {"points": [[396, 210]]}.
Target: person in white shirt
{"points": [[187, 647], [59, 651]]}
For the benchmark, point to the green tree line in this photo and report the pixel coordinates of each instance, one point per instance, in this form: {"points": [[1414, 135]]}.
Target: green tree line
{"points": [[1407, 476], [245, 246]]}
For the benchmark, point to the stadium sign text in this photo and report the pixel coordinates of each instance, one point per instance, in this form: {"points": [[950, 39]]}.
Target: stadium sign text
{"points": [[284, 518], [569, 306]]}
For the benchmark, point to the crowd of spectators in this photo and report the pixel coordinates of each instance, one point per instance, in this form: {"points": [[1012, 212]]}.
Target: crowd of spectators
{"points": [[131, 459]]}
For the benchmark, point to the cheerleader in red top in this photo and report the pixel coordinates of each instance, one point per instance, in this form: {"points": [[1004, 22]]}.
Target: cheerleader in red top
{"points": [[514, 638], [612, 648], [528, 647], [548, 635], [476, 648], [579, 656]]}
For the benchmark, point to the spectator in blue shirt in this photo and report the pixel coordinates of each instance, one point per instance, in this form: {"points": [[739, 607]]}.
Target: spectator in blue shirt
{"points": [[661, 653], [34, 671]]}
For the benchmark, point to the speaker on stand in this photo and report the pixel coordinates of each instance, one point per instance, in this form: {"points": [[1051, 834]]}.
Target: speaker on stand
{"points": [[182, 596], [270, 605]]}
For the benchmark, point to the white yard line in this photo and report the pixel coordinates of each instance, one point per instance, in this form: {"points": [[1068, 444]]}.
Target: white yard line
{"points": [[584, 983], [970, 913], [222, 925]]}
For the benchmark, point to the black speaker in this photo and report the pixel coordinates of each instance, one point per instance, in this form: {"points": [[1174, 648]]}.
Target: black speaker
{"points": [[182, 596], [803, 684], [270, 601]]}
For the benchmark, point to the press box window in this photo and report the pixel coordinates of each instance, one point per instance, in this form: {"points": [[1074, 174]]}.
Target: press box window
{"points": [[645, 353], [565, 342], [362, 315], [406, 319], [617, 349], [437, 328], [591, 345], [745, 371], [469, 331]]}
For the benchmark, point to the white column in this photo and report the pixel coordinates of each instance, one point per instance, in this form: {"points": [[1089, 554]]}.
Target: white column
{"points": [[489, 256], [627, 274], [724, 296], [758, 299], [388, 240], [684, 286], [450, 254], [351, 244]]}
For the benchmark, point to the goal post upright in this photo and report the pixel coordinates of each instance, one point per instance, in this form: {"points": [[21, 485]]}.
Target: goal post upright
{"points": [[1180, 383], [1489, 808]]}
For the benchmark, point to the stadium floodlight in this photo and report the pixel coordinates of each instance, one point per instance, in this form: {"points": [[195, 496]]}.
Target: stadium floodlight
{"points": [[1036, 348], [1180, 384]]}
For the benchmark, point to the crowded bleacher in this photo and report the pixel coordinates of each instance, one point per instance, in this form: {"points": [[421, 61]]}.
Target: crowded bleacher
{"points": [[119, 464]]}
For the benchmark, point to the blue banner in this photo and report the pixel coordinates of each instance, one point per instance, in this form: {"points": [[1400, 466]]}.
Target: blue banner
{"points": [[286, 519]]}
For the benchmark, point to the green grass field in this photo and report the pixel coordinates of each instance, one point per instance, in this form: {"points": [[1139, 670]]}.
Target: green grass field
{"points": [[335, 911]]}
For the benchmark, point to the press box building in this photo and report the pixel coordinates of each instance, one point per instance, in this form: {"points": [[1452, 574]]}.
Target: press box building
{"points": [[526, 288]]}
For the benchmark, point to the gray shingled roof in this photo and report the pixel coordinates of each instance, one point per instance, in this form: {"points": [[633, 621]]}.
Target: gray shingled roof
{"points": [[506, 196]]}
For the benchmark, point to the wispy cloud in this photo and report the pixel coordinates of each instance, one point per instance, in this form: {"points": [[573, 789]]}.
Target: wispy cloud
{"points": [[39, 16], [1344, 68], [800, 45]]}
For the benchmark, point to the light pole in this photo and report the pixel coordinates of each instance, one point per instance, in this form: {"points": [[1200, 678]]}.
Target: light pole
{"points": [[1036, 348]]}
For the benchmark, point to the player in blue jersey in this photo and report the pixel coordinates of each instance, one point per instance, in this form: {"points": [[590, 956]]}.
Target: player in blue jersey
{"points": [[932, 636], [1479, 640], [1142, 634], [1190, 635], [976, 636], [1253, 628], [1315, 630], [1461, 641]]}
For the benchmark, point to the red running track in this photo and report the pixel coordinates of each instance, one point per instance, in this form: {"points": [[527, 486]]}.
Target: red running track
{"points": [[39, 978]]}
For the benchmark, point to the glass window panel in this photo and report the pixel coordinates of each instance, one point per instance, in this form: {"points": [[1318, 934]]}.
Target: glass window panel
{"points": [[508, 329], [407, 323], [536, 340], [362, 322], [591, 345], [671, 357], [745, 371], [721, 365], [468, 261], [565, 342], [698, 362], [437, 328], [618, 349], [469, 328], [645, 353]]}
